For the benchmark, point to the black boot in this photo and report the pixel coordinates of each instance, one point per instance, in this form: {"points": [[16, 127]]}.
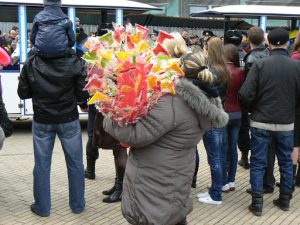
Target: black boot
{"points": [[111, 190], [257, 204], [244, 160], [297, 176], [182, 222], [194, 182], [283, 202], [89, 172], [116, 195]]}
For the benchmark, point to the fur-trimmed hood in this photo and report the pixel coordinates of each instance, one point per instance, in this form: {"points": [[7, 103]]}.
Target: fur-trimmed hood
{"points": [[204, 107]]}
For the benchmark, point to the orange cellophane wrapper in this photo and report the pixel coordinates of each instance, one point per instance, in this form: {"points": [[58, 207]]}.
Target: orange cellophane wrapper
{"points": [[99, 97]]}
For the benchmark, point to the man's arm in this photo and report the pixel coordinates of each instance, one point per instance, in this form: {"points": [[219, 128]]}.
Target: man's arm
{"points": [[70, 34], [247, 93], [80, 82], [24, 88]]}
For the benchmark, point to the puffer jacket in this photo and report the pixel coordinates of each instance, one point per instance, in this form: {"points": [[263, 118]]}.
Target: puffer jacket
{"points": [[55, 86], [161, 163], [52, 32]]}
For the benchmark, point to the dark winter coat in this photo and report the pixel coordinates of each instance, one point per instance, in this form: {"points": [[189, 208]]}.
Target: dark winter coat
{"points": [[272, 89], [52, 33], [254, 55], [55, 86], [161, 163], [102, 139]]}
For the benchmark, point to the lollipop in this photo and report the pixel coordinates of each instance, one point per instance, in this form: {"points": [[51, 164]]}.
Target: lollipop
{"points": [[126, 76], [5, 59]]}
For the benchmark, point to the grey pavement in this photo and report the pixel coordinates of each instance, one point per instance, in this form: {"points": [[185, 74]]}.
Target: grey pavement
{"points": [[16, 165]]}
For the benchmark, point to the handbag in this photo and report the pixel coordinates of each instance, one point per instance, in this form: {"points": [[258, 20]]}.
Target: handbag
{"points": [[5, 122]]}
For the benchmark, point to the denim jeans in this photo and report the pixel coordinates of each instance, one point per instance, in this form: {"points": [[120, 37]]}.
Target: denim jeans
{"points": [[283, 146], [212, 140], [71, 141], [231, 136]]}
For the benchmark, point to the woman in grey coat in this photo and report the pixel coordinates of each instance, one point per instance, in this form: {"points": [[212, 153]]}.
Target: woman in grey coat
{"points": [[161, 163]]}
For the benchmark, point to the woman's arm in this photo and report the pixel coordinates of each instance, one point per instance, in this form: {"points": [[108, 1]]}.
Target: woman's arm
{"points": [[158, 122]]}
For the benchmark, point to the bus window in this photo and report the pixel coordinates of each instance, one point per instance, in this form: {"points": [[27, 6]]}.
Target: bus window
{"points": [[9, 34]]}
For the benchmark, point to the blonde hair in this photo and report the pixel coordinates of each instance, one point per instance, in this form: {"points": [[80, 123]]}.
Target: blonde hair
{"points": [[297, 43], [217, 58], [194, 66], [176, 46]]}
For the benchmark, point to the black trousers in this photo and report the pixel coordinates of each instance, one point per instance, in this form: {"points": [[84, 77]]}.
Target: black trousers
{"points": [[244, 137], [91, 153]]}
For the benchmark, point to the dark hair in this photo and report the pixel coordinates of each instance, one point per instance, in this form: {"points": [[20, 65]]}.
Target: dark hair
{"points": [[209, 32], [256, 35], [233, 37], [232, 54], [15, 28]]}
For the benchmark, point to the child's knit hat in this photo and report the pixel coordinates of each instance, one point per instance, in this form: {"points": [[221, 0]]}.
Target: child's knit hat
{"points": [[52, 2]]}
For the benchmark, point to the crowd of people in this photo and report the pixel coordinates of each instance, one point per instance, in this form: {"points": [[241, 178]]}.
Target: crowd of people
{"points": [[234, 86]]}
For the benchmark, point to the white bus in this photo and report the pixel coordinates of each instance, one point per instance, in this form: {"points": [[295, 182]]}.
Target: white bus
{"points": [[21, 9]]}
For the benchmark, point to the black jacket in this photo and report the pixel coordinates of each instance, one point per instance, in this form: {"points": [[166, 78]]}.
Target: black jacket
{"points": [[255, 54], [272, 89], [220, 87], [52, 32], [55, 86]]}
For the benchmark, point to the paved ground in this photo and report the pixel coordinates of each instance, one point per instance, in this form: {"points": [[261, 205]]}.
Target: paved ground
{"points": [[16, 164]]}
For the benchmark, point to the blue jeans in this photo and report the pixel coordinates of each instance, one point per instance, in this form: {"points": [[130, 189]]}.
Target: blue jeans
{"points": [[212, 140], [283, 147], [231, 136], [71, 141]]}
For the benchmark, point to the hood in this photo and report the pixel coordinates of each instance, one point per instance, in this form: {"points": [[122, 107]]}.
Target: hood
{"points": [[203, 106], [51, 13]]}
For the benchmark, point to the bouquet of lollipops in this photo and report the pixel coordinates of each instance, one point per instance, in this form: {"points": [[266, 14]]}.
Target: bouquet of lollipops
{"points": [[126, 76]]}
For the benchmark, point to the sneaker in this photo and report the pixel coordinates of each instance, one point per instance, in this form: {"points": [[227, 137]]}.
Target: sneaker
{"points": [[201, 195], [231, 186], [209, 200], [226, 188]]}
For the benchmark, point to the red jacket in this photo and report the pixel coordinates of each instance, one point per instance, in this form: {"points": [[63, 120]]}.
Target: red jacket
{"points": [[236, 81]]}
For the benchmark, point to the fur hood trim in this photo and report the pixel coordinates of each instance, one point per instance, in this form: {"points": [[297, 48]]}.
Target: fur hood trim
{"points": [[210, 108]]}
